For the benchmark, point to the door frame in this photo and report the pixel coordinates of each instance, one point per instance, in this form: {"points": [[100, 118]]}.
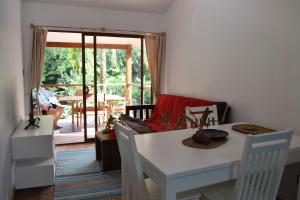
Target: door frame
{"points": [[94, 35]]}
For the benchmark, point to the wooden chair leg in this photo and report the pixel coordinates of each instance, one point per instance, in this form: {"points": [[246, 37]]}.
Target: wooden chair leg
{"points": [[77, 120], [80, 120], [72, 114], [72, 118]]}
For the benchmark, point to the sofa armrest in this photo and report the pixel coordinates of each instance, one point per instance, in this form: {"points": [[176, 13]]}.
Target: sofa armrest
{"points": [[142, 112]]}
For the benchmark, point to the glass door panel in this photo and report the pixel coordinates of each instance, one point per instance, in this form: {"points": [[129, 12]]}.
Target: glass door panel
{"points": [[100, 77], [90, 91], [120, 72], [114, 76], [62, 76]]}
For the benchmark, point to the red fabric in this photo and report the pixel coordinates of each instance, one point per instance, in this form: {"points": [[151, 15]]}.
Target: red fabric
{"points": [[170, 111], [112, 133]]}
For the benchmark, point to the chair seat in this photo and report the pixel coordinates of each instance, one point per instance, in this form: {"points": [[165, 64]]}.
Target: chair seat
{"points": [[220, 191], [155, 194], [92, 108]]}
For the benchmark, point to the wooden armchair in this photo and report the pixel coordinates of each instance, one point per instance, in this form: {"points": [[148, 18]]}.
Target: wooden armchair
{"points": [[169, 113], [142, 112]]}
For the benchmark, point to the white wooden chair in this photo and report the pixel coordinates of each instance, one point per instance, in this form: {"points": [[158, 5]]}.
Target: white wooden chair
{"points": [[196, 113], [134, 184], [260, 171]]}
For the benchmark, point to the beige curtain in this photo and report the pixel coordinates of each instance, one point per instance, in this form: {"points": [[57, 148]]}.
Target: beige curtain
{"points": [[37, 59], [156, 53]]}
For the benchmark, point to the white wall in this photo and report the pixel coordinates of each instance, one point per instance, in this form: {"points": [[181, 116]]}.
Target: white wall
{"points": [[11, 87], [244, 52], [62, 15]]}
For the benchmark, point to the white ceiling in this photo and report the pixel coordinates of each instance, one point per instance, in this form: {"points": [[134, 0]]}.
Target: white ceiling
{"points": [[155, 6]]}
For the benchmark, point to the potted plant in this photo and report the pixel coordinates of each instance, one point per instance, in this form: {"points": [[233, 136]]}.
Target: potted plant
{"points": [[109, 126], [200, 136]]}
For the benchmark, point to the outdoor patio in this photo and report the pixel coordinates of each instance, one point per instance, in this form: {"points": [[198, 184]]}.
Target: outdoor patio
{"points": [[69, 134]]}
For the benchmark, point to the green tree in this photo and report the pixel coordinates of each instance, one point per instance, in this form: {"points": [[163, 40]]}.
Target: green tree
{"points": [[63, 66]]}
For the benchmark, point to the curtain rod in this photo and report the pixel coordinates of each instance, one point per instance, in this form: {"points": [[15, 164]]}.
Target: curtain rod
{"points": [[97, 30]]}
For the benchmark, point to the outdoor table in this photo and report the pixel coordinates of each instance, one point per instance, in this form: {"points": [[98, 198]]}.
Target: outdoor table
{"points": [[111, 100]]}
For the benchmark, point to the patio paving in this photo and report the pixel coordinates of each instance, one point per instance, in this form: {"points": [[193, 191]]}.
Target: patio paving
{"points": [[69, 134]]}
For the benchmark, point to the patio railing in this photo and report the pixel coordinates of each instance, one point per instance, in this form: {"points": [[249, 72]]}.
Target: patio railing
{"points": [[115, 88]]}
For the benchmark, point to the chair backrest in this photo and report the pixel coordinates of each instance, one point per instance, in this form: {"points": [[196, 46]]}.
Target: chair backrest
{"points": [[133, 183], [79, 92], [196, 113], [262, 165], [100, 97]]}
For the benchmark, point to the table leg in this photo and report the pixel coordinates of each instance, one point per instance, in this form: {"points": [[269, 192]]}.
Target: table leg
{"points": [[77, 120], [80, 116], [77, 114], [168, 193], [72, 114]]}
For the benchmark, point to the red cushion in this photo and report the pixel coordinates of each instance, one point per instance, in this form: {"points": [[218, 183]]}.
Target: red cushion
{"points": [[169, 113]]}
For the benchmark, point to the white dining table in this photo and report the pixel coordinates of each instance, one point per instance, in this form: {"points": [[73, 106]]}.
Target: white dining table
{"points": [[175, 167]]}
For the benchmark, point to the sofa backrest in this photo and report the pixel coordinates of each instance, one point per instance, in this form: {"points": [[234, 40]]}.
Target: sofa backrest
{"points": [[169, 112]]}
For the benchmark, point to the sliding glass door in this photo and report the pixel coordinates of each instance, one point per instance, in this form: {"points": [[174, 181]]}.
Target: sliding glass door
{"points": [[63, 78], [115, 74], [94, 76]]}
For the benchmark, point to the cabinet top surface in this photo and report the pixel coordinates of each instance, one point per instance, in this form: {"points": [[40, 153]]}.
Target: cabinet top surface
{"points": [[106, 137], [45, 129]]}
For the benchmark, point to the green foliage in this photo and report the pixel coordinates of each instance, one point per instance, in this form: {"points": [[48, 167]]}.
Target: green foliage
{"points": [[147, 96], [63, 66], [109, 125], [136, 95]]}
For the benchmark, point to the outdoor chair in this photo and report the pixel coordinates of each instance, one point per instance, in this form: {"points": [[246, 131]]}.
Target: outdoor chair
{"points": [[90, 107], [120, 107], [76, 109], [101, 106]]}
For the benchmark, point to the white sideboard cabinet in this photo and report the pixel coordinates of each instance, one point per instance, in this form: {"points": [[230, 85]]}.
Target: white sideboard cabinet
{"points": [[34, 154]]}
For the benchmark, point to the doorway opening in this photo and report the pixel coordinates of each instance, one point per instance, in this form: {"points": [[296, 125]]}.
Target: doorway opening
{"points": [[94, 76]]}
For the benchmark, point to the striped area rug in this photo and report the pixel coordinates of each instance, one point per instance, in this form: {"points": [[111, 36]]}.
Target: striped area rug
{"points": [[78, 176]]}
